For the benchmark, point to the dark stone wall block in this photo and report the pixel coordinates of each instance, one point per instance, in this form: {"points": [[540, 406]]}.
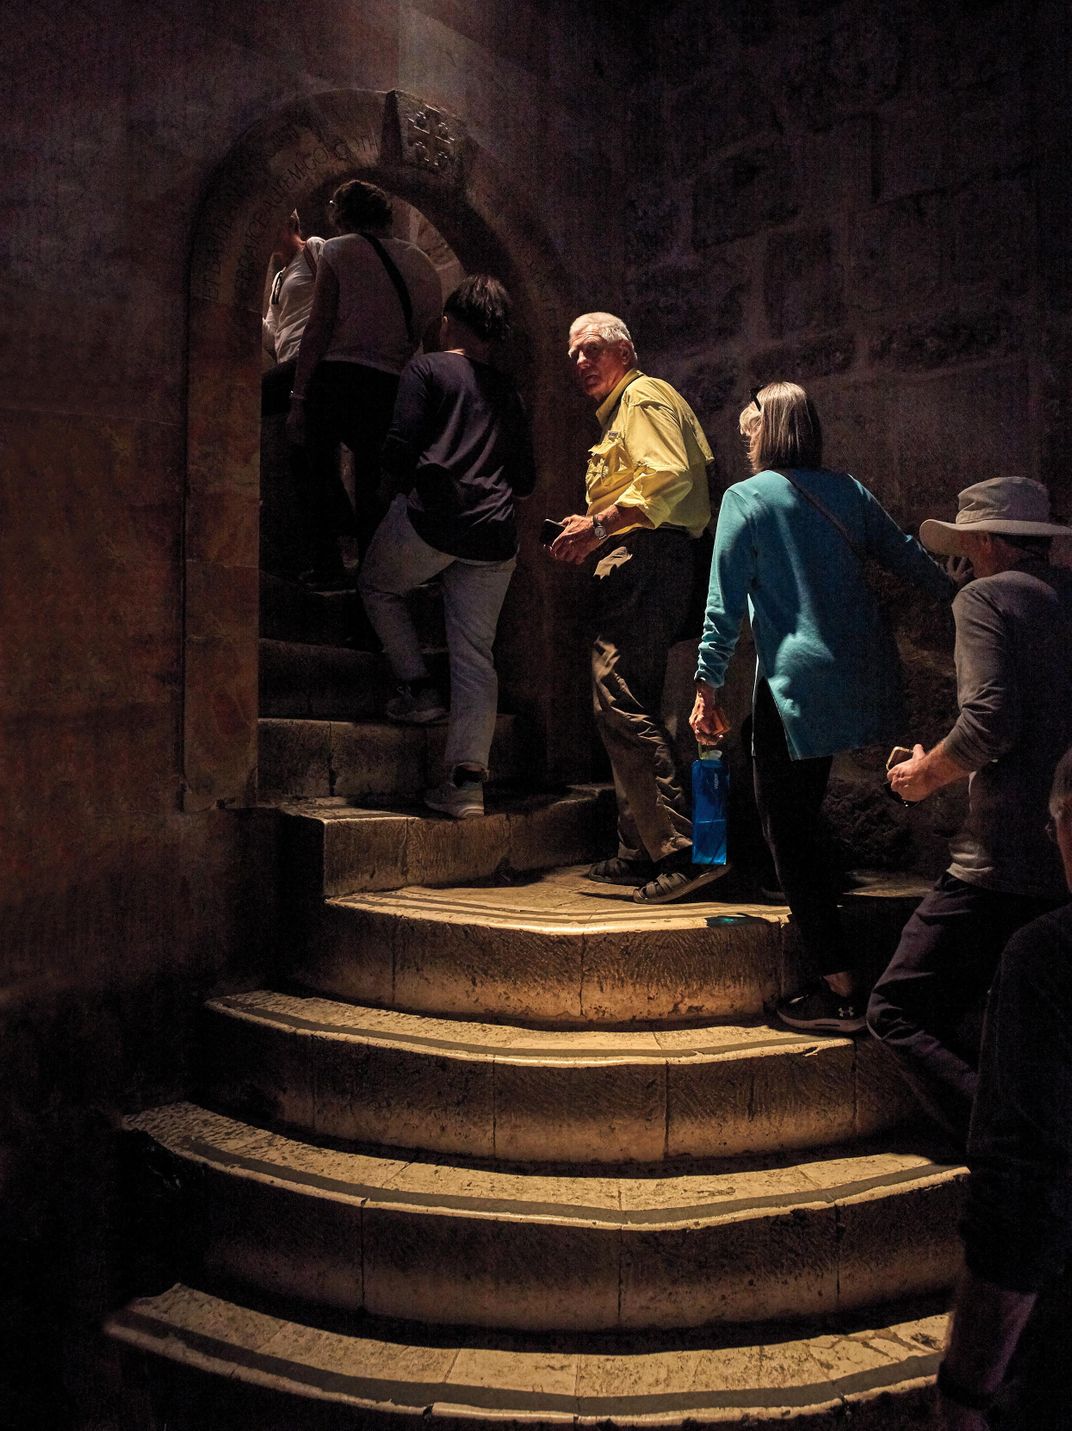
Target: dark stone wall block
{"points": [[854, 65], [683, 305], [802, 282], [809, 358], [950, 338], [895, 254], [744, 194]]}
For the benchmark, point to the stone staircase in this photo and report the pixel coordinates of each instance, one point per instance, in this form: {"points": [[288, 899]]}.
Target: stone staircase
{"points": [[498, 1147]]}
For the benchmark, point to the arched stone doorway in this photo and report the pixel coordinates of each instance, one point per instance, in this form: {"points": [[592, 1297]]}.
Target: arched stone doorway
{"points": [[428, 159]]}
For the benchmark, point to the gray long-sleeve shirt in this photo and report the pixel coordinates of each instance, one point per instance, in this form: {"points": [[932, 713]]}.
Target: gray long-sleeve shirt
{"points": [[1014, 689]]}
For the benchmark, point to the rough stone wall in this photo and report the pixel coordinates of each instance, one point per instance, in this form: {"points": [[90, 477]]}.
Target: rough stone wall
{"points": [[119, 909], [868, 199]]}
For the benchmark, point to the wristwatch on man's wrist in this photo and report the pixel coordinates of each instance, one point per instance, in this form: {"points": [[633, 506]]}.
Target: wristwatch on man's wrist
{"points": [[599, 531]]}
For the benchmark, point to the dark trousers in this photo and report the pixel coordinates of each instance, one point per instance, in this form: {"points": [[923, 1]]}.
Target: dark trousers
{"points": [[642, 590], [941, 971], [352, 404], [789, 794], [345, 403]]}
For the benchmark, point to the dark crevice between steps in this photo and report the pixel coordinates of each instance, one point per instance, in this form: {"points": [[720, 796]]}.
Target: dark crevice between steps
{"points": [[333, 774]]}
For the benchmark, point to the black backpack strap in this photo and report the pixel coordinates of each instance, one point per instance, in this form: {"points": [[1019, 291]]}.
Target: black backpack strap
{"points": [[399, 286]]}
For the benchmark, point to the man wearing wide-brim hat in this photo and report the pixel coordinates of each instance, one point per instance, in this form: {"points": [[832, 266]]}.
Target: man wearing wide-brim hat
{"points": [[1014, 692]]}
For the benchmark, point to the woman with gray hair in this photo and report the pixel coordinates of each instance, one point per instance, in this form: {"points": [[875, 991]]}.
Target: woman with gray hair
{"points": [[790, 548]]}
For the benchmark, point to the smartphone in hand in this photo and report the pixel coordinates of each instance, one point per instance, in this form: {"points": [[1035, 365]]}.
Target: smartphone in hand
{"points": [[550, 530]]}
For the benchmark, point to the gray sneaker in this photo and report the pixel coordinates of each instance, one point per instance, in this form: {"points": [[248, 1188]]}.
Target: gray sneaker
{"points": [[416, 707], [461, 801]]}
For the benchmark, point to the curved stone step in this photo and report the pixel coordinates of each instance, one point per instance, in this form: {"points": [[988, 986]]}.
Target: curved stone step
{"points": [[562, 950], [356, 759], [327, 682], [499, 1090], [266, 1372], [292, 612], [333, 847], [437, 1242]]}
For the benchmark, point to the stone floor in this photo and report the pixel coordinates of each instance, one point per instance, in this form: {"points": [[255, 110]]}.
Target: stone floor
{"points": [[500, 1145]]}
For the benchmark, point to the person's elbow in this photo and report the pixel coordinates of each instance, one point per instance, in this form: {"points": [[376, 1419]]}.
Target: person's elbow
{"points": [[974, 743]]}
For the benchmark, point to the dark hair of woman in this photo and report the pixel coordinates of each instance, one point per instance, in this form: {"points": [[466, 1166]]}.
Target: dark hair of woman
{"points": [[359, 205], [483, 305]]}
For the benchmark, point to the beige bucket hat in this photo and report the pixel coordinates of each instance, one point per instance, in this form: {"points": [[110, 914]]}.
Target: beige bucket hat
{"points": [[1013, 506]]}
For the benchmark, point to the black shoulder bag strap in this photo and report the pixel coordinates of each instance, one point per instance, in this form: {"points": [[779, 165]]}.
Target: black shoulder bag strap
{"points": [[399, 286], [812, 500]]}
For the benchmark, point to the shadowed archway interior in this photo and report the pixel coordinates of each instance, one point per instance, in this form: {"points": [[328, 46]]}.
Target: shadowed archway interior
{"points": [[427, 159]]}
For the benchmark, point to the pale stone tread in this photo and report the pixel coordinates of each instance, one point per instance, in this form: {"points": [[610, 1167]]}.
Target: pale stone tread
{"points": [[559, 949], [481, 1090], [497, 1379], [472, 1038], [666, 1200]]}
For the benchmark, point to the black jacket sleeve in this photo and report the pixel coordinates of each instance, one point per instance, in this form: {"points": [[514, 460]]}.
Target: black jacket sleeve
{"points": [[1017, 1224]]}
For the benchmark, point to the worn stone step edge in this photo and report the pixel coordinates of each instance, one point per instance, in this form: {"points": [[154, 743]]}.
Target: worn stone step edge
{"points": [[304, 680], [299, 757], [334, 849], [503, 1091], [437, 1242], [467, 953], [879, 1374], [292, 612]]}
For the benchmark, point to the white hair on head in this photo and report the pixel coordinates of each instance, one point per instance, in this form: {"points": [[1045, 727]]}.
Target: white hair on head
{"points": [[1061, 793], [606, 326]]}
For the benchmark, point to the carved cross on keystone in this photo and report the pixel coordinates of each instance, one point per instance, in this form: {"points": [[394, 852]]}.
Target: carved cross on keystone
{"points": [[425, 137], [429, 141]]}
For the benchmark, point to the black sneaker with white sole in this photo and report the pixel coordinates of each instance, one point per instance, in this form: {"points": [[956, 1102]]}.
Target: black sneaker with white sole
{"points": [[819, 1010]]}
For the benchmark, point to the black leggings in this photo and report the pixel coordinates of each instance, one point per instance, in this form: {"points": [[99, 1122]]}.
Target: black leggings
{"points": [[789, 794]]}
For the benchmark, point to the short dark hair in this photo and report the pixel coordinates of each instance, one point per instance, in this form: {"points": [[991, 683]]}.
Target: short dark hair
{"points": [[483, 305], [360, 205]]}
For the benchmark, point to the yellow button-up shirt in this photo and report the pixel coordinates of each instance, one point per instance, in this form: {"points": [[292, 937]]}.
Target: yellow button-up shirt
{"points": [[653, 455]]}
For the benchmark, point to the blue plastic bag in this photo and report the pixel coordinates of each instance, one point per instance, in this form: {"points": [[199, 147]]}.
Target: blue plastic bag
{"points": [[710, 788]]}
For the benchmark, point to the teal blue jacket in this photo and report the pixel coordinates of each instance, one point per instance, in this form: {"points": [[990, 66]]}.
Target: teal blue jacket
{"points": [[821, 639]]}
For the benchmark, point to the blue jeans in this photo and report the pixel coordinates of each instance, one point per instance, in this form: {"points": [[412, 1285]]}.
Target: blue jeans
{"points": [[473, 592]]}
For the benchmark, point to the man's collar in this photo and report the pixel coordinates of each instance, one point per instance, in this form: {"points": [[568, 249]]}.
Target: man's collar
{"points": [[605, 410]]}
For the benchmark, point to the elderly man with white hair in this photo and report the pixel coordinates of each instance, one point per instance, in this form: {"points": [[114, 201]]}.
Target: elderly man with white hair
{"points": [[647, 503]]}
